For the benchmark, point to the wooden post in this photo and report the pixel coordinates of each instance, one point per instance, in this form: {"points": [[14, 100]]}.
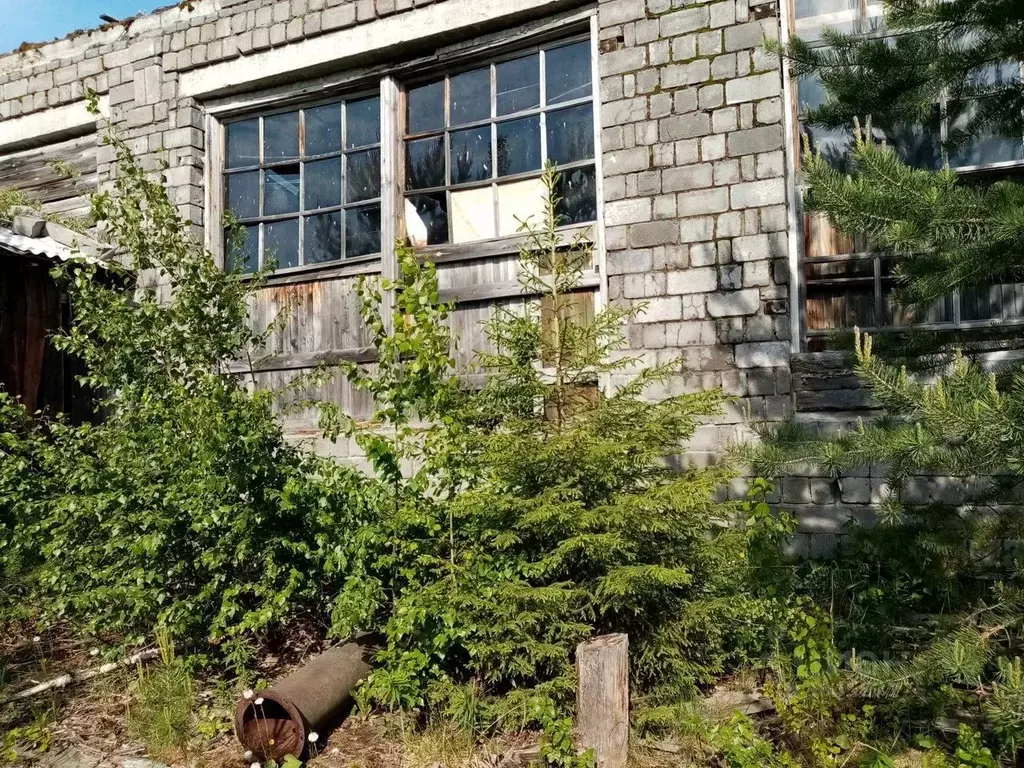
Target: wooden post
{"points": [[602, 712]]}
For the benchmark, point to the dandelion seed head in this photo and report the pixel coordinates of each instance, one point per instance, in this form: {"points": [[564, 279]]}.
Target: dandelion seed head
{"points": [[248, 755], [259, 702], [36, 639], [314, 737], [255, 765], [94, 652], [247, 694]]}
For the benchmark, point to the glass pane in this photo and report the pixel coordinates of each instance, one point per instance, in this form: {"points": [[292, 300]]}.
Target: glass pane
{"points": [[426, 219], [323, 129], [578, 190], [243, 142], [471, 155], [426, 108], [519, 146], [281, 190], [424, 163], [520, 201], [322, 241], [567, 73], [281, 243], [243, 194], [472, 215], [323, 184], [362, 176], [470, 95], [985, 148], [244, 253], [281, 137], [571, 134], [806, 8], [518, 84], [362, 123], [362, 231]]}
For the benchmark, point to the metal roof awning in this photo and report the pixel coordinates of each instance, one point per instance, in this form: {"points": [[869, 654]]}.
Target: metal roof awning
{"points": [[33, 236]]}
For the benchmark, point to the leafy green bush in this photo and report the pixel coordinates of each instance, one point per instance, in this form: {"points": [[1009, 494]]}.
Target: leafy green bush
{"points": [[185, 507]]}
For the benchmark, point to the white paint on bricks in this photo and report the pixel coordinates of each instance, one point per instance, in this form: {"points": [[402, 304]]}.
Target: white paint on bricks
{"points": [[338, 47]]}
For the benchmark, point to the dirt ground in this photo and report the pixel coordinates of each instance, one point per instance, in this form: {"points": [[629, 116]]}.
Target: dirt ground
{"points": [[84, 724]]}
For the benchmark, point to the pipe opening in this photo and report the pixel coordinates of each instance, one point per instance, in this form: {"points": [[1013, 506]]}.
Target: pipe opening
{"points": [[271, 731]]}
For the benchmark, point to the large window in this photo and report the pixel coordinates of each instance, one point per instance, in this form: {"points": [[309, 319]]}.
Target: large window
{"points": [[476, 142], [456, 155], [305, 184], [846, 284]]}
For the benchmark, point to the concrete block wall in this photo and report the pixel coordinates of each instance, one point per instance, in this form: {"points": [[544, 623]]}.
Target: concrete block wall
{"points": [[693, 154], [696, 192]]}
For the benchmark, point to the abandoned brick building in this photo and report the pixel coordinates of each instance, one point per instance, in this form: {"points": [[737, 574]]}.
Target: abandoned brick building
{"points": [[331, 128]]}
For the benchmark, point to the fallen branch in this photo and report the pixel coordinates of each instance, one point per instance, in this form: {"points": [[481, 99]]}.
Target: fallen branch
{"points": [[77, 677]]}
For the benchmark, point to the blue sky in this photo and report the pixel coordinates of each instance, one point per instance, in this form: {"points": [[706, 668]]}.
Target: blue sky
{"points": [[41, 20]]}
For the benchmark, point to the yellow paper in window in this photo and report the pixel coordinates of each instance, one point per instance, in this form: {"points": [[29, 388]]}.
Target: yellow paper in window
{"points": [[472, 215], [522, 199]]}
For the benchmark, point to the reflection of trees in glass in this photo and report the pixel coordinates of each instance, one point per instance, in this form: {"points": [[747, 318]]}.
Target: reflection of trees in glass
{"points": [[325, 233], [363, 179], [363, 231], [425, 168], [578, 189]]}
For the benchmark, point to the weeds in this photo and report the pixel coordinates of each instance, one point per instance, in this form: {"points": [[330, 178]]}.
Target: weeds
{"points": [[162, 715]]}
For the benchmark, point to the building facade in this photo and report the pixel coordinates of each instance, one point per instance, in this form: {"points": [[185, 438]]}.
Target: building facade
{"points": [[332, 128]]}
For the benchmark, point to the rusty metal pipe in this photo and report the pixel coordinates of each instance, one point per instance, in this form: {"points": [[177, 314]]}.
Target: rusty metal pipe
{"points": [[302, 703]]}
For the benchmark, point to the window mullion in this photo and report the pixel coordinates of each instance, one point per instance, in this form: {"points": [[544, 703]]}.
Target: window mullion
{"points": [[494, 149], [391, 198], [262, 187]]}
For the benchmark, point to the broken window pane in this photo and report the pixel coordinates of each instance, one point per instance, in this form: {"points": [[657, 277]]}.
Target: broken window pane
{"points": [[578, 189], [243, 253], [571, 134], [519, 146], [243, 194], [281, 243], [243, 143], [426, 108], [426, 219], [362, 123], [520, 201], [322, 240], [362, 176], [281, 190], [424, 163], [472, 215], [470, 97], [362, 231], [323, 129], [518, 84], [323, 184], [281, 137], [567, 73], [471, 155]]}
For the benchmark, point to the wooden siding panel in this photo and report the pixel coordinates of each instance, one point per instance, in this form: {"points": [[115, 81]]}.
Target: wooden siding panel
{"points": [[33, 173]]}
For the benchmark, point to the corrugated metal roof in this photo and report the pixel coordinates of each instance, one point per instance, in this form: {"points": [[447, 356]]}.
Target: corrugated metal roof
{"points": [[36, 246], [44, 246]]}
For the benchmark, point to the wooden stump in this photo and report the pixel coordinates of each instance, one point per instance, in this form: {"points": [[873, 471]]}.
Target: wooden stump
{"points": [[602, 713]]}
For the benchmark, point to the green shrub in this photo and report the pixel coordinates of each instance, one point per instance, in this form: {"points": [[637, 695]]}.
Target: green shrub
{"points": [[185, 508], [536, 513]]}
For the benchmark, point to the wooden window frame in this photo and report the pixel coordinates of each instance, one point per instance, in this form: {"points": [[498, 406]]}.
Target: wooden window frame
{"points": [[494, 181], [803, 334], [391, 79]]}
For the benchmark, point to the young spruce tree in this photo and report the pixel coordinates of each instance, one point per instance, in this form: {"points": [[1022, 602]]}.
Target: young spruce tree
{"points": [[962, 425], [538, 511]]}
